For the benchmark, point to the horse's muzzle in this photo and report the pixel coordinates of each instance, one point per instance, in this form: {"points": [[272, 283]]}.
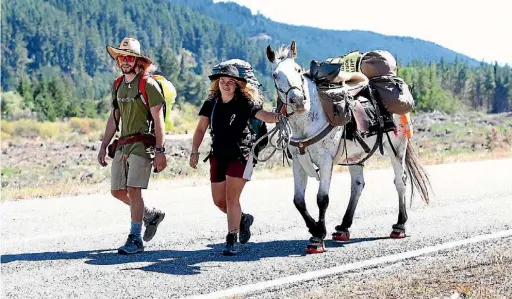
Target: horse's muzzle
{"points": [[299, 108]]}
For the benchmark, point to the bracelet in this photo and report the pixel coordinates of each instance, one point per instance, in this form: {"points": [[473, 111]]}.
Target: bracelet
{"points": [[194, 153]]}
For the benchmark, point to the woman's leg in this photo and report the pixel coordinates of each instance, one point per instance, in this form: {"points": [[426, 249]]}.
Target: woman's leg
{"points": [[234, 187], [219, 196]]}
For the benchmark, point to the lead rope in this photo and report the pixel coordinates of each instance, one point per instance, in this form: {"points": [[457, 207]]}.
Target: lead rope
{"points": [[283, 130]]}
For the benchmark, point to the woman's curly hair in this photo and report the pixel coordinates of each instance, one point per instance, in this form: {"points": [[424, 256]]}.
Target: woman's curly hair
{"points": [[246, 90]]}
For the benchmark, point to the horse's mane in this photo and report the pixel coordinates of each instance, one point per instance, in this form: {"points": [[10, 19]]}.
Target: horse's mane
{"points": [[282, 53]]}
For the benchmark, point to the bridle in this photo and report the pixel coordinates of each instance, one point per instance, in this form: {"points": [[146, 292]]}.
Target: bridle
{"points": [[291, 87]]}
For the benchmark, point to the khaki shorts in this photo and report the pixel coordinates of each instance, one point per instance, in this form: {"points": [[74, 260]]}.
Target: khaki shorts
{"points": [[132, 172]]}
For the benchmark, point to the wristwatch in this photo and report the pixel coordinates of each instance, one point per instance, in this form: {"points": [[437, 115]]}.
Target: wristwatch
{"points": [[160, 150]]}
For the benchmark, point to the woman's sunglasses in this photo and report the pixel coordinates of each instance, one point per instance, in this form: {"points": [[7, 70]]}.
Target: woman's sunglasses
{"points": [[123, 58]]}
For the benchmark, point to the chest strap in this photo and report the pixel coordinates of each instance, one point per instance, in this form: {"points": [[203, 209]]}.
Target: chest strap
{"points": [[302, 144]]}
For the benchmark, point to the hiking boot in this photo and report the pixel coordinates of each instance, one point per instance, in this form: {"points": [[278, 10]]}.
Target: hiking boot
{"points": [[151, 223], [131, 246], [231, 245], [245, 225]]}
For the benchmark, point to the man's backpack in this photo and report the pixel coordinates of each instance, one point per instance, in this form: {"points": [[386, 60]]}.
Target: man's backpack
{"points": [[166, 87], [257, 127]]}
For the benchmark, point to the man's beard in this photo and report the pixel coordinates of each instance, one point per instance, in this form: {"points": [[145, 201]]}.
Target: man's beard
{"points": [[130, 71]]}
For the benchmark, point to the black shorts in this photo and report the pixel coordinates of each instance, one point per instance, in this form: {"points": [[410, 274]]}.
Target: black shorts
{"points": [[220, 168]]}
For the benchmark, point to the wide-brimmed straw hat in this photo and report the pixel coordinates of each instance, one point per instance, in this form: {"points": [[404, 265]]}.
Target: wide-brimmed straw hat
{"points": [[227, 71], [129, 47]]}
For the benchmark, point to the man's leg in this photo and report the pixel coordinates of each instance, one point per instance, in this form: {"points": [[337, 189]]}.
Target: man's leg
{"points": [[151, 219], [122, 195], [134, 242], [138, 172]]}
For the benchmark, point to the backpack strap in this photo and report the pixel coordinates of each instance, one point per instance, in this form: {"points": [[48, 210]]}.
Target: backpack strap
{"points": [[117, 82], [142, 89]]}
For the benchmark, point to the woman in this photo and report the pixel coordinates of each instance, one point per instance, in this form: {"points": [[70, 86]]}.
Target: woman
{"points": [[227, 111]]}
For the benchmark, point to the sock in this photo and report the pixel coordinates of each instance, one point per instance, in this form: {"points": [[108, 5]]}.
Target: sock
{"points": [[136, 229], [147, 213]]}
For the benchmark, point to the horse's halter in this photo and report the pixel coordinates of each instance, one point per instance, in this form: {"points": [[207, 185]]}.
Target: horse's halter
{"points": [[291, 87]]}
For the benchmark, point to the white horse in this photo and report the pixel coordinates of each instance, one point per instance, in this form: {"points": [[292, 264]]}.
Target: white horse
{"points": [[317, 146]]}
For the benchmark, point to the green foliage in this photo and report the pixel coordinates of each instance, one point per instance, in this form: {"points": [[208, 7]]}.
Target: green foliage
{"points": [[13, 106], [53, 55]]}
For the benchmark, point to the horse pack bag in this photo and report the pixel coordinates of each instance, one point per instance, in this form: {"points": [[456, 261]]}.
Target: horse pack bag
{"points": [[379, 67]]}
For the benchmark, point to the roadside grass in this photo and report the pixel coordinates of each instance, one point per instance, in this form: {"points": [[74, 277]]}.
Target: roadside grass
{"points": [[183, 116], [472, 277], [88, 180], [55, 159]]}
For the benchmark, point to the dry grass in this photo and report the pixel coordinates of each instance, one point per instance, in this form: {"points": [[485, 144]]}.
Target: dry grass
{"points": [[54, 190], [71, 130], [466, 275], [53, 159], [194, 177]]}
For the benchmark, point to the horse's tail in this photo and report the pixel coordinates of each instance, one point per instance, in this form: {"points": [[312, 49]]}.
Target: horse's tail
{"points": [[417, 174]]}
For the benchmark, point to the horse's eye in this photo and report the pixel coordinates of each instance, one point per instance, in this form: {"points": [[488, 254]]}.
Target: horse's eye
{"points": [[274, 75], [299, 70]]}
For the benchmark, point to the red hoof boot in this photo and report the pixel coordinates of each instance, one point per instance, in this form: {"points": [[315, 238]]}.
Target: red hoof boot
{"points": [[341, 236], [317, 246], [397, 235]]}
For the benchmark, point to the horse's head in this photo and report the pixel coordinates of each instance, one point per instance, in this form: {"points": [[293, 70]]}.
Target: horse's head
{"points": [[288, 78]]}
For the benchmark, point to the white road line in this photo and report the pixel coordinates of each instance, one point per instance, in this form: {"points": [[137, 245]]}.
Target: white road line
{"points": [[349, 267]]}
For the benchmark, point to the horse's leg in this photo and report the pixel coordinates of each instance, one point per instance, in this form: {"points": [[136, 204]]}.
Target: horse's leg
{"points": [[356, 188], [300, 180], [322, 199], [398, 163]]}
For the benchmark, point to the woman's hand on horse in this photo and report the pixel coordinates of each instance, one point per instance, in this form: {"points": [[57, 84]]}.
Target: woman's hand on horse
{"points": [[269, 117]]}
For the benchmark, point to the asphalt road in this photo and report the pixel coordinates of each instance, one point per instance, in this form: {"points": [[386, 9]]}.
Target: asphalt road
{"points": [[67, 247]]}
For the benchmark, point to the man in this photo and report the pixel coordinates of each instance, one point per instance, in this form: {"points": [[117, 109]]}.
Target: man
{"points": [[132, 164]]}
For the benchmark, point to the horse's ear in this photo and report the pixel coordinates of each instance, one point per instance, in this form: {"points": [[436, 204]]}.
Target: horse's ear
{"points": [[293, 49], [271, 55]]}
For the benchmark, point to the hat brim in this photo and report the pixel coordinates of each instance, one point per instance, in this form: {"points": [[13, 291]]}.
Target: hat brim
{"points": [[115, 52], [217, 76]]}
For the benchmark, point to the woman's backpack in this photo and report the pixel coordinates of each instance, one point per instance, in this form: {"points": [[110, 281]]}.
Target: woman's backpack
{"points": [[257, 127]]}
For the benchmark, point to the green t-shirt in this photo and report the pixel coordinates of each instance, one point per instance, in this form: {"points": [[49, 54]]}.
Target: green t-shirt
{"points": [[134, 114]]}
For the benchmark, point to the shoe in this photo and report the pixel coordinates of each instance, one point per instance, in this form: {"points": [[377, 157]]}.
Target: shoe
{"points": [[245, 226], [131, 246], [151, 223], [231, 245]]}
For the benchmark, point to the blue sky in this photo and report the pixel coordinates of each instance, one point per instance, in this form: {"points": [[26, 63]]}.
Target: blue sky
{"points": [[479, 29]]}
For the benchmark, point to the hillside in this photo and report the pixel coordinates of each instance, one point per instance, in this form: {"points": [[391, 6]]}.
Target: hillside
{"points": [[54, 57], [315, 43]]}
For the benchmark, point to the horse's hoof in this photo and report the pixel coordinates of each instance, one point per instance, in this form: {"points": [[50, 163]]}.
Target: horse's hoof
{"points": [[316, 245], [397, 235], [315, 248], [341, 236]]}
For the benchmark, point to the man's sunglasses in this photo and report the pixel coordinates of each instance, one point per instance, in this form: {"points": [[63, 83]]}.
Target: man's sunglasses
{"points": [[123, 58]]}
